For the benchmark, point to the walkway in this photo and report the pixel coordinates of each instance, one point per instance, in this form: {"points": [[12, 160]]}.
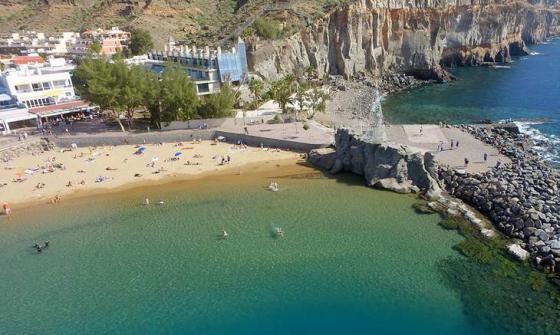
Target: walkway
{"points": [[432, 135]]}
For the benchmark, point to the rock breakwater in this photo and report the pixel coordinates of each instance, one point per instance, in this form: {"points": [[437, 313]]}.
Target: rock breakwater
{"points": [[522, 198]]}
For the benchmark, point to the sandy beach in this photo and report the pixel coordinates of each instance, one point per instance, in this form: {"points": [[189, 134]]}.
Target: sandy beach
{"points": [[41, 178]]}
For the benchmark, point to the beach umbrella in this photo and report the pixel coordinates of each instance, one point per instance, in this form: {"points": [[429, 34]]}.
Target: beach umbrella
{"points": [[177, 154], [141, 149]]}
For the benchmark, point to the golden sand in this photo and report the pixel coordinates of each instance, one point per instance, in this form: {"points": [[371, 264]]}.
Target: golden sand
{"points": [[85, 171]]}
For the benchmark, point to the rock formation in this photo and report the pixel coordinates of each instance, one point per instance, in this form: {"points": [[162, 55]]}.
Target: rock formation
{"points": [[386, 166], [413, 37]]}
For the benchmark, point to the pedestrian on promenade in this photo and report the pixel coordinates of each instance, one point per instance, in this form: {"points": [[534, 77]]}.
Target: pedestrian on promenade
{"points": [[451, 144], [485, 157], [498, 163], [466, 162], [246, 130], [457, 144]]}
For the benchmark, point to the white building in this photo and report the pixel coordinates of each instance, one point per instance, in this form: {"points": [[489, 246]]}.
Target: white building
{"points": [[40, 85], [44, 89], [24, 43]]}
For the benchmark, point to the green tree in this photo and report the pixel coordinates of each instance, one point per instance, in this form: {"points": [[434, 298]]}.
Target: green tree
{"points": [[317, 101], [177, 95], [96, 81], [132, 87], [281, 92], [301, 96], [152, 98], [140, 42], [256, 87], [95, 48], [220, 104]]}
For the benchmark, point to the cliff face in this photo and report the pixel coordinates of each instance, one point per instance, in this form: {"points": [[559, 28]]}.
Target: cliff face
{"points": [[414, 37]]}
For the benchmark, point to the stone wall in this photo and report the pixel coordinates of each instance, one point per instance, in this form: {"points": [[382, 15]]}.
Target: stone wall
{"points": [[181, 136]]}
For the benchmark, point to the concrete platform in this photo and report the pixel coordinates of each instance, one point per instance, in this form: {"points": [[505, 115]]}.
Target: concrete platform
{"points": [[432, 135]]}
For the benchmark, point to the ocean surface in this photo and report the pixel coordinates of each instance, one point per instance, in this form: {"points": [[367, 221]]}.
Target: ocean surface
{"points": [[528, 91], [353, 261]]}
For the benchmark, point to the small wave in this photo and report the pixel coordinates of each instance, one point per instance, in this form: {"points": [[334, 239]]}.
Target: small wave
{"points": [[547, 145]]}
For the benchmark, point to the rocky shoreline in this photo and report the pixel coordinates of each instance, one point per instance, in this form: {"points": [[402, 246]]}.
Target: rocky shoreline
{"points": [[522, 199]]}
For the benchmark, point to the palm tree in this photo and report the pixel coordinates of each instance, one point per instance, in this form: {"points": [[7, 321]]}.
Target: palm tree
{"points": [[256, 87]]}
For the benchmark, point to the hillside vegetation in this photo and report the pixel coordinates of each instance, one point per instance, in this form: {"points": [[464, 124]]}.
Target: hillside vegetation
{"points": [[195, 21]]}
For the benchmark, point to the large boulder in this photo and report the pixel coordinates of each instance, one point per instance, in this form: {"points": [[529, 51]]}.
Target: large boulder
{"points": [[389, 166]]}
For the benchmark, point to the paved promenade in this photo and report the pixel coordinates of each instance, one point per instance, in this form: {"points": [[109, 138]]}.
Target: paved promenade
{"points": [[429, 137]]}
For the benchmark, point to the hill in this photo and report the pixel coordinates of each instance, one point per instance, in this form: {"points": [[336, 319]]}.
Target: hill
{"points": [[195, 21]]}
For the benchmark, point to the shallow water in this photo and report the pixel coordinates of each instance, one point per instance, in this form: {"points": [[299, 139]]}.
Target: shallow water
{"points": [[527, 90], [354, 260]]}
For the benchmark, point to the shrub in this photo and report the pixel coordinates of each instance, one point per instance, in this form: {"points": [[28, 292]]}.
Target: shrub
{"points": [[266, 28]]}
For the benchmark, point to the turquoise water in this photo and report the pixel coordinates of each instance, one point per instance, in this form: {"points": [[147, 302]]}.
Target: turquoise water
{"points": [[354, 260], [527, 90]]}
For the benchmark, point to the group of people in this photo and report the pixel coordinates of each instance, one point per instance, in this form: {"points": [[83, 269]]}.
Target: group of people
{"points": [[454, 144]]}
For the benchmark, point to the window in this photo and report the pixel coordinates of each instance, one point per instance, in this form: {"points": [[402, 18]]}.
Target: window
{"points": [[59, 83], [47, 86], [22, 88], [37, 87]]}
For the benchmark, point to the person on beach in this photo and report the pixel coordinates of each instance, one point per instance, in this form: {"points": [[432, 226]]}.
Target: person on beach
{"points": [[7, 208], [498, 163], [246, 130], [485, 157], [228, 159], [466, 162], [147, 201], [457, 144], [421, 130], [452, 144]]}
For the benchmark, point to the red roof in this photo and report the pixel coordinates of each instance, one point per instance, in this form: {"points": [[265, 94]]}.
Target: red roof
{"points": [[62, 108], [21, 60]]}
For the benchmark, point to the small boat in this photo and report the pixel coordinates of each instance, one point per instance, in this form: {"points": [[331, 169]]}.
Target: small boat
{"points": [[273, 187], [224, 235], [161, 202]]}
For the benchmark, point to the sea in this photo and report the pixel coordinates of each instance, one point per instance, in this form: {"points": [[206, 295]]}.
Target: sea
{"points": [[526, 91], [353, 260]]}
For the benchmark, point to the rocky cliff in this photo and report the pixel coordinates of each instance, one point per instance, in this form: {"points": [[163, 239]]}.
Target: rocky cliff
{"points": [[414, 37], [388, 166]]}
